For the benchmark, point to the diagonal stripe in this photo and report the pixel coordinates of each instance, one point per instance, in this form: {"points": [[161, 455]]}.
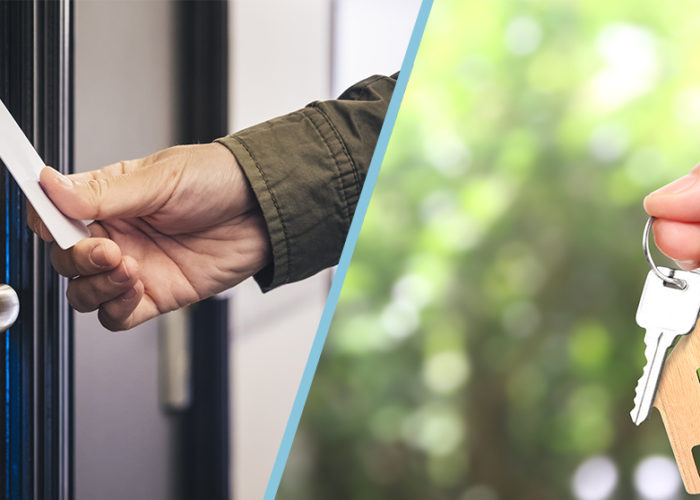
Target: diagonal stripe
{"points": [[348, 249]]}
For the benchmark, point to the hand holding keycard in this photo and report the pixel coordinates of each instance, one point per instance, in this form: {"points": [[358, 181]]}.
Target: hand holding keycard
{"points": [[25, 165], [669, 308]]}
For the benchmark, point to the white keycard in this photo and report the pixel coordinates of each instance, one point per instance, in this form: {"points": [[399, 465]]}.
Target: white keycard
{"points": [[25, 164]]}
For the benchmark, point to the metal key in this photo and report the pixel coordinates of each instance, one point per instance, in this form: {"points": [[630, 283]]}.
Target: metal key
{"points": [[666, 311]]}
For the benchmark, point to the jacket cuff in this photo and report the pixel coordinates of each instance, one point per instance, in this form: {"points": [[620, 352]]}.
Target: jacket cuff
{"points": [[304, 181], [306, 170]]}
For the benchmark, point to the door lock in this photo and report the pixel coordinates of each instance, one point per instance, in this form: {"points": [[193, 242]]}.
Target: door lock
{"points": [[9, 307]]}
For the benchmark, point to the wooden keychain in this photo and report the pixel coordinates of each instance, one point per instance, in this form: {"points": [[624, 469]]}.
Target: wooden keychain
{"points": [[678, 401]]}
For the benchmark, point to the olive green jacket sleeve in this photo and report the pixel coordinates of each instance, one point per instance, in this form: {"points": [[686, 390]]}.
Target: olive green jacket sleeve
{"points": [[307, 169]]}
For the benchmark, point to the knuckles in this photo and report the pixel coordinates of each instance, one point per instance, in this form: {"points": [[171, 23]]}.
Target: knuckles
{"points": [[95, 191], [76, 298], [110, 323]]}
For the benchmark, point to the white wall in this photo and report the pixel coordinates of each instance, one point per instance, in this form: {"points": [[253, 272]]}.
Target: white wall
{"points": [[286, 54], [280, 62], [370, 37]]}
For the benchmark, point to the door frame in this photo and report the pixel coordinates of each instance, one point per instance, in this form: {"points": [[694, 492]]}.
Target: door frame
{"points": [[36, 364], [202, 60]]}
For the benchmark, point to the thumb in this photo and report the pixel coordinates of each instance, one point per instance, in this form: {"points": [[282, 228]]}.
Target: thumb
{"points": [[679, 200], [96, 195]]}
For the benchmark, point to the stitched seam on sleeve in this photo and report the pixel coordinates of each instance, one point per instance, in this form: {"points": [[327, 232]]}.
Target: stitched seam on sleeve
{"points": [[343, 146], [346, 205], [274, 201]]}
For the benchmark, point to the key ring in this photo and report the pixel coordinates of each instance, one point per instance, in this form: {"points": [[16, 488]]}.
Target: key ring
{"points": [[669, 280]]}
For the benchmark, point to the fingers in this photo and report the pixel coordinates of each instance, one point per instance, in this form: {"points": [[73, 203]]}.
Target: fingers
{"points": [[105, 281], [88, 293], [679, 241], [677, 229], [109, 193], [121, 312], [117, 294], [679, 200], [88, 257]]}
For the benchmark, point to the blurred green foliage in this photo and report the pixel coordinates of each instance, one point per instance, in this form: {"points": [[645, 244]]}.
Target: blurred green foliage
{"points": [[484, 345]]}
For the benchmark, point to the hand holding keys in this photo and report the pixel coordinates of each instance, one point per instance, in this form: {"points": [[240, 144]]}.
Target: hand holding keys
{"points": [[669, 308]]}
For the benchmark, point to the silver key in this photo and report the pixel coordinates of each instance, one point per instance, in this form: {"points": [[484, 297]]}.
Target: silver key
{"points": [[666, 312]]}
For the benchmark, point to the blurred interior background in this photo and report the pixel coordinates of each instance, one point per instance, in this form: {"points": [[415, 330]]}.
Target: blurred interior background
{"points": [[484, 346], [282, 54]]}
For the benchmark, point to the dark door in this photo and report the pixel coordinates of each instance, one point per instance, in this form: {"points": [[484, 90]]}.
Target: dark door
{"points": [[35, 361], [36, 352]]}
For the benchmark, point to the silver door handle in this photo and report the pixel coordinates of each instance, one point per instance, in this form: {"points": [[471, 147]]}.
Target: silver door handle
{"points": [[174, 361], [9, 307]]}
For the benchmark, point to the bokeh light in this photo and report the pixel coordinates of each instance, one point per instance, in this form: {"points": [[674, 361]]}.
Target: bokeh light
{"points": [[595, 479], [479, 492], [445, 371], [523, 35], [657, 478]]}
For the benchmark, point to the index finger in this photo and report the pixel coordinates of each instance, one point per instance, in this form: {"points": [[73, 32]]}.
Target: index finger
{"points": [[679, 200]]}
